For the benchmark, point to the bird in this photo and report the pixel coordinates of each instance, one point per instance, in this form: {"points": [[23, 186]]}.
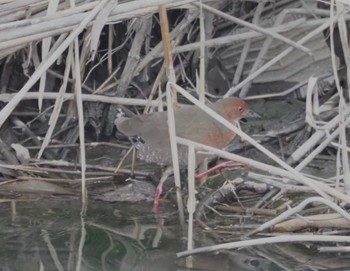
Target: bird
{"points": [[150, 135]]}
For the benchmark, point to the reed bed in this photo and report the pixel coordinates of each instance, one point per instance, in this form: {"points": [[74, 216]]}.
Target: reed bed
{"points": [[68, 67]]}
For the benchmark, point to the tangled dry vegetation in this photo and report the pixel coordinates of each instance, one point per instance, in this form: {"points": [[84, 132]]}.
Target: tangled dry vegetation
{"points": [[67, 68]]}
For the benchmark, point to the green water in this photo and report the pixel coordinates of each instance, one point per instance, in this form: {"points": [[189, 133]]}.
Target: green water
{"points": [[47, 235]]}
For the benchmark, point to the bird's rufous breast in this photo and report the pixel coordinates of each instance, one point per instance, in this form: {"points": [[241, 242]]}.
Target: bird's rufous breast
{"points": [[233, 110]]}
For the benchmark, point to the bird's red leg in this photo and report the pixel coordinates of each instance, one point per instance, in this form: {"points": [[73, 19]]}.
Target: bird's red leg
{"points": [[167, 172], [227, 164]]}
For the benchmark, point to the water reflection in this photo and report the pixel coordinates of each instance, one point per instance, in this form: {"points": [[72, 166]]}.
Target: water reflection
{"points": [[45, 235]]}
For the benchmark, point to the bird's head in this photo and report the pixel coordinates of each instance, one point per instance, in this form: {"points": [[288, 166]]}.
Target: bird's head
{"points": [[234, 109]]}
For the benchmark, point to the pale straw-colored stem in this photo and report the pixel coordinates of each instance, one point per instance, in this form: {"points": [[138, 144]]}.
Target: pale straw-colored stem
{"points": [[6, 97], [318, 187], [7, 110], [254, 27], [191, 203], [276, 59], [301, 206], [174, 151], [244, 136], [287, 238]]}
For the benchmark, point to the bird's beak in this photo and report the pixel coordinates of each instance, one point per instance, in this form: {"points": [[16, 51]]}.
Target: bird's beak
{"points": [[252, 115]]}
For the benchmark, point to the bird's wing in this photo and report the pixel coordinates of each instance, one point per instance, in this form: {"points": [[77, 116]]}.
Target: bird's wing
{"points": [[142, 125]]}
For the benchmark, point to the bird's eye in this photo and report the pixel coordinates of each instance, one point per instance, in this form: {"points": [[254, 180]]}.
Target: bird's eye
{"points": [[240, 109]]}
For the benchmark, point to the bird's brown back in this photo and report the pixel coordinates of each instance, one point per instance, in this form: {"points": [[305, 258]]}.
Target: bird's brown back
{"points": [[190, 122]]}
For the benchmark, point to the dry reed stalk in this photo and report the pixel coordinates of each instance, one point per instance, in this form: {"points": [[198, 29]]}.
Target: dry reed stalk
{"points": [[330, 220], [255, 28], [71, 17], [58, 104], [202, 55], [177, 32], [240, 36], [82, 241], [191, 202], [174, 151], [287, 238], [51, 249], [171, 98], [320, 188], [246, 47], [155, 87], [262, 53], [7, 110], [24, 31], [128, 73], [81, 124], [315, 139], [6, 97], [51, 9], [292, 211], [279, 182], [345, 47], [276, 59], [321, 131]]}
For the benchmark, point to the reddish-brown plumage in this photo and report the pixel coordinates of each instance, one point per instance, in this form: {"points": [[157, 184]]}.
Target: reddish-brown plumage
{"points": [[151, 136], [191, 123]]}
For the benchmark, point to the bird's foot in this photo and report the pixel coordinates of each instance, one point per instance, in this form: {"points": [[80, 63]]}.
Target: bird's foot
{"points": [[219, 167], [167, 172]]}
